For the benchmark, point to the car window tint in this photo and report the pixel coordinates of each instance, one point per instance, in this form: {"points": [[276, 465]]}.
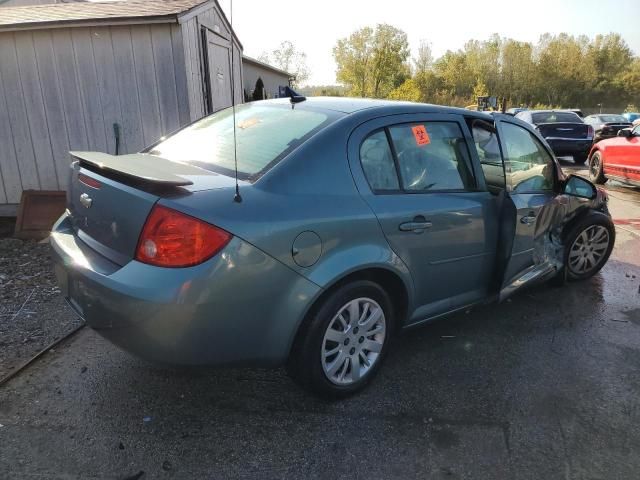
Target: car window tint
{"points": [[264, 134], [432, 156], [377, 162], [485, 140], [612, 118], [555, 117], [529, 166]]}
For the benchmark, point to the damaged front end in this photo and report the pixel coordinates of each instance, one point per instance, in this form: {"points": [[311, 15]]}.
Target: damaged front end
{"points": [[553, 234]]}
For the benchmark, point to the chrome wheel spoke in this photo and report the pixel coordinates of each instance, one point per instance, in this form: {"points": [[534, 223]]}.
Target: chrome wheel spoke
{"points": [[336, 364], [375, 331], [334, 336], [365, 359], [372, 346], [329, 353], [355, 368], [354, 312], [343, 370], [374, 316]]}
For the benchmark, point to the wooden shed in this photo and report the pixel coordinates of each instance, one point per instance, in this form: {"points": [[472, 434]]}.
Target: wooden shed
{"points": [[111, 76], [274, 79]]}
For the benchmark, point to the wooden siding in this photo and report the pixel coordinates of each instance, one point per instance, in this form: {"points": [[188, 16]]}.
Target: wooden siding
{"points": [[63, 89], [192, 43]]}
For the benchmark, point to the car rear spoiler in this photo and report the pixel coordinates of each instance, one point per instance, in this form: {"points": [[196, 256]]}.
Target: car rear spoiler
{"points": [[141, 167]]}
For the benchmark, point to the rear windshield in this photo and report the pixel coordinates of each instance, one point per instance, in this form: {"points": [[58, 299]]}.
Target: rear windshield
{"points": [[264, 135], [555, 117], [612, 118]]}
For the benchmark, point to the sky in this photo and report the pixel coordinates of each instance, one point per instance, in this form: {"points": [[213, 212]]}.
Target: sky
{"points": [[314, 27]]}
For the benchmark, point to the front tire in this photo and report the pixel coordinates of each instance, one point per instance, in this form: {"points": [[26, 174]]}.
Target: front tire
{"points": [[343, 341], [588, 246], [596, 173]]}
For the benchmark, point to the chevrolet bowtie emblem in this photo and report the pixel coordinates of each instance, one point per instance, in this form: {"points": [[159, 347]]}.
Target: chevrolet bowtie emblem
{"points": [[86, 200]]}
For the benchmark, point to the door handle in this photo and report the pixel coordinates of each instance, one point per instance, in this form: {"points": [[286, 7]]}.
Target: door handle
{"points": [[529, 219], [415, 226]]}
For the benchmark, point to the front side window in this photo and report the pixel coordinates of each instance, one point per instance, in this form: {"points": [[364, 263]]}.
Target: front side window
{"points": [[485, 139], [432, 156], [529, 165]]}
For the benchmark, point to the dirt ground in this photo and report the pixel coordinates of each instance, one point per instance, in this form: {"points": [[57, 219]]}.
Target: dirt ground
{"points": [[33, 314]]}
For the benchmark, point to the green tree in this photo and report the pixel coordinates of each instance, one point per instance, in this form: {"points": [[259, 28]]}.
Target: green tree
{"points": [[372, 62], [409, 91], [258, 90], [288, 58], [424, 61]]}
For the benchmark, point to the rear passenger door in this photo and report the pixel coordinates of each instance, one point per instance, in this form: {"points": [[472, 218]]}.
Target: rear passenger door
{"points": [[416, 174]]}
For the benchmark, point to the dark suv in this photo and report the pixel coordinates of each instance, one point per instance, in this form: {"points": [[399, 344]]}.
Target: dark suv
{"points": [[565, 132]]}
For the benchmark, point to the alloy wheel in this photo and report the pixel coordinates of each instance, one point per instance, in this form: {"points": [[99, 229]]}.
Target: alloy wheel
{"points": [[353, 341], [588, 249], [594, 167]]}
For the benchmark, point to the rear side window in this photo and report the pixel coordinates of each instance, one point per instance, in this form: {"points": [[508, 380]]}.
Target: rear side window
{"points": [[555, 117], [377, 163], [432, 156], [264, 135]]}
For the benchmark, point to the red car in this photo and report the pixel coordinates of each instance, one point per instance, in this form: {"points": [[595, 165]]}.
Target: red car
{"points": [[617, 158]]}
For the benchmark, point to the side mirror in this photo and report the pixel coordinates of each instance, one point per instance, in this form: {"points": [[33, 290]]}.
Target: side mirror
{"points": [[579, 187], [625, 132]]}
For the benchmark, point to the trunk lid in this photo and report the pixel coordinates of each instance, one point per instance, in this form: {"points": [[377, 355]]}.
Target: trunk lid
{"points": [[110, 197], [614, 127], [564, 130]]}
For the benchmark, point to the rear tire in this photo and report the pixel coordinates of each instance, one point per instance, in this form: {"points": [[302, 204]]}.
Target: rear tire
{"points": [[343, 341], [596, 173], [588, 246], [580, 159]]}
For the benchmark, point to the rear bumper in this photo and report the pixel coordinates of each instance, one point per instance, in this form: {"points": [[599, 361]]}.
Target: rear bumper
{"points": [[240, 307], [570, 146]]}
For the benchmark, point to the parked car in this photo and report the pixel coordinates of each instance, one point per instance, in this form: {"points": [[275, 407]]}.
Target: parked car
{"points": [[617, 158], [515, 110], [351, 219], [606, 125], [577, 111], [565, 132], [633, 117]]}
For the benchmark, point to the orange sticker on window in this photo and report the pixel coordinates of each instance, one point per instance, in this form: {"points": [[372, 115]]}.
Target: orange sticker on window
{"points": [[421, 135]]}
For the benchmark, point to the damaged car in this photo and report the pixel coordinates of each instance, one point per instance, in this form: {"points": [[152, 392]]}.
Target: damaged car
{"points": [[308, 232]]}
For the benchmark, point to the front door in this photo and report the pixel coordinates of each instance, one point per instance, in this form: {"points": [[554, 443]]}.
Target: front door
{"points": [[417, 177], [531, 185], [623, 156]]}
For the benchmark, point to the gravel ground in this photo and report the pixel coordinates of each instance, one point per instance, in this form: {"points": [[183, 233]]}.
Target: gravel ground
{"points": [[33, 314]]}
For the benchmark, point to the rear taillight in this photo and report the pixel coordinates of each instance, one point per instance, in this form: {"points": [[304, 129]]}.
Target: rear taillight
{"points": [[173, 239], [589, 131]]}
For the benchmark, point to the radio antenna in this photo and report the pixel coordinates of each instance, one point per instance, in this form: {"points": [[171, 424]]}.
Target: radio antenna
{"points": [[236, 198]]}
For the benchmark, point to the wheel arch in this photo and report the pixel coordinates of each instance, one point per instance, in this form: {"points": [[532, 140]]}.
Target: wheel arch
{"points": [[391, 281]]}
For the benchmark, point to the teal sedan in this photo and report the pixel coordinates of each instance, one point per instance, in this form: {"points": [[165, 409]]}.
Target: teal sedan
{"points": [[308, 234]]}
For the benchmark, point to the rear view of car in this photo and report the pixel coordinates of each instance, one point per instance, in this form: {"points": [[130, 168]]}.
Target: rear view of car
{"points": [[564, 131], [606, 125]]}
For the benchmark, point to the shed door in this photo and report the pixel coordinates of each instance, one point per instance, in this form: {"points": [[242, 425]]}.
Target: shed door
{"points": [[218, 66]]}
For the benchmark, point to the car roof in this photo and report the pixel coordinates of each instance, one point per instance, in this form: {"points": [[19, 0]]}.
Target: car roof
{"points": [[350, 105]]}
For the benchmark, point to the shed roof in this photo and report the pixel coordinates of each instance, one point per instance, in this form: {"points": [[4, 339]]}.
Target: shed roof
{"points": [[109, 12], [262, 64]]}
